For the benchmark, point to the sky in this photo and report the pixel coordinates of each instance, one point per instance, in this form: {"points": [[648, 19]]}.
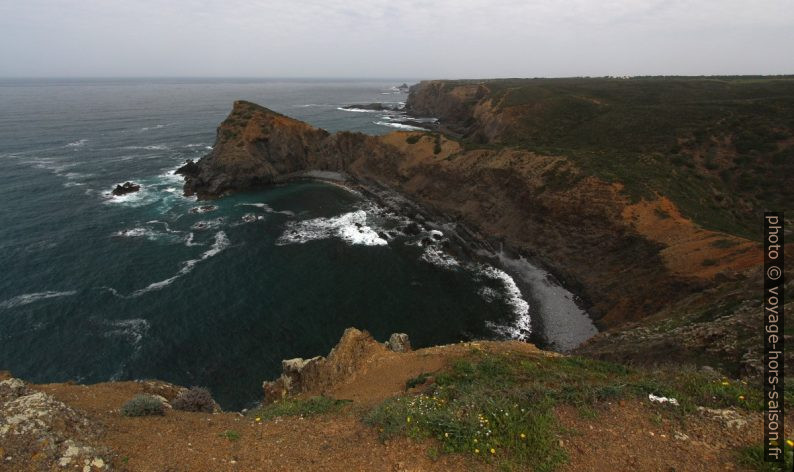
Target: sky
{"points": [[394, 38]]}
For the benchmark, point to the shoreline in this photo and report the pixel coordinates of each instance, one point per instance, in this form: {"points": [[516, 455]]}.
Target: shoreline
{"points": [[553, 308]]}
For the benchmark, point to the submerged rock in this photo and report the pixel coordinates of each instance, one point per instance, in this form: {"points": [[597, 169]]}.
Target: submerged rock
{"points": [[125, 188]]}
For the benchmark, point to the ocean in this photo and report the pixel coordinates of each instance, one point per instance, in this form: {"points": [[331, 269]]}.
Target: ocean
{"points": [[212, 293]]}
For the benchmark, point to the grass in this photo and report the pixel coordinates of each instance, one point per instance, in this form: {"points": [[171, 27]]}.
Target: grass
{"points": [[753, 458], [299, 407], [501, 407], [418, 380], [230, 434]]}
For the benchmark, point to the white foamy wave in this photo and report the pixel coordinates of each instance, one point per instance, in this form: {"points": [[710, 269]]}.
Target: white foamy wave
{"points": [[488, 294], [132, 233], [203, 209], [399, 126], [133, 329], [207, 224], [358, 110], [158, 126], [27, 298], [437, 257], [151, 147], [189, 241], [350, 227], [76, 144], [196, 145], [221, 243], [267, 208], [522, 327]]}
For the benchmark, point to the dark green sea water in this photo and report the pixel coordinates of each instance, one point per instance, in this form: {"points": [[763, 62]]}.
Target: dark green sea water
{"points": [[151, 285]]}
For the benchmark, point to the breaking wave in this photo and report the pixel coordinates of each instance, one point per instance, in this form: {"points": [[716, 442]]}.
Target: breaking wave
{"points": [[27, 298], [350, 227]]}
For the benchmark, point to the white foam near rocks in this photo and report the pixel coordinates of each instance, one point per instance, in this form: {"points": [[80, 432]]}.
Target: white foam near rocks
{"points": [[438, 257], [350, 227], [521, 328], [27, 298]]}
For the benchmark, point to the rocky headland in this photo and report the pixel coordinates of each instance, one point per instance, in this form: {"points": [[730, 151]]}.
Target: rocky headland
{"points": [[640, 196], [628, 252]]}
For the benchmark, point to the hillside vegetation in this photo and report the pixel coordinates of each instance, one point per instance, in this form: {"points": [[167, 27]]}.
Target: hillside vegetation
{"points": [[719, 147]]}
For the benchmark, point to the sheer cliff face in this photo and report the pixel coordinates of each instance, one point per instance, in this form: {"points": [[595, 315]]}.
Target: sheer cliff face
{"points": [[585, 229]]}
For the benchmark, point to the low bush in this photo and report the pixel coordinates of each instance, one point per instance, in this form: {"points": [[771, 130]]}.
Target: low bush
{"points": [[299, 407], [143, 405], [194, 399]]}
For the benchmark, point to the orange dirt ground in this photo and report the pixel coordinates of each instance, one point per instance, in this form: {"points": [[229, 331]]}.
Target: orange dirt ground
{"points": [[624, 436]]}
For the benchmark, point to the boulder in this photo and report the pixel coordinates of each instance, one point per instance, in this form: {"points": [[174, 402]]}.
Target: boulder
{"points": [[125, 188], [399, 342]]}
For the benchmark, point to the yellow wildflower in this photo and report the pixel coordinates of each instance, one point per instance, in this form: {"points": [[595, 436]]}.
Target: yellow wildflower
{"points": [[446, 435], [493, 451], [790, 443], [258, 419], [725, 382], [523, 436], [476, 451], [741, 398], [408, 419]]}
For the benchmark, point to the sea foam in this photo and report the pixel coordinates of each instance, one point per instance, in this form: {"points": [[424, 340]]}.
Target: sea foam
{"points": [[27, 298], [350, 227]]}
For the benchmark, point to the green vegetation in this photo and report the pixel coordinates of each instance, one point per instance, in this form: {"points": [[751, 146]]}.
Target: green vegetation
{"points": [[501, 407], [413, 139], [415, 381], [143, 405], [230, 435], [299, 407], [753, 457], [719, 147]]}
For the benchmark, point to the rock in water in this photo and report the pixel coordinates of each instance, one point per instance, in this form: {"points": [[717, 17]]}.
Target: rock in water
{"points": [[399, 342], [125, 188], [189, 169]]}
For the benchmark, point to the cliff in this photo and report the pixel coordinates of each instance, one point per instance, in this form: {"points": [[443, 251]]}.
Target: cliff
{"points": [[628, 251]]}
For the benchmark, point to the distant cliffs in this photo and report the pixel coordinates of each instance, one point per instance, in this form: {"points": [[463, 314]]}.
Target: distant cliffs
{"points": [[626, 258]]}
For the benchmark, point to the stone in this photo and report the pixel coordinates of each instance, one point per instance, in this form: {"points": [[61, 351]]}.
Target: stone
{"points": [[399, 342], [125, 188]]}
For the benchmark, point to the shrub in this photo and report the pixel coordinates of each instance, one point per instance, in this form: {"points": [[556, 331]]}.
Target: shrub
{"points": [[194, 399], [413, 139], [299, 407], [143, 405]]}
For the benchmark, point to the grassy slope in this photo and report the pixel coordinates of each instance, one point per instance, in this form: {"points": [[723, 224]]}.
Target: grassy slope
{"points": [[720, 148]]}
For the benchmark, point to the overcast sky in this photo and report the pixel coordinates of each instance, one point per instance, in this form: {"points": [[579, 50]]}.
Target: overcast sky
{"points": [[394, 38]]}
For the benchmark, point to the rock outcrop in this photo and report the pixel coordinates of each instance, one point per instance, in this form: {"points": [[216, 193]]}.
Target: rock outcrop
{"points": [[125, 188], [320, 373], [38, 432]]}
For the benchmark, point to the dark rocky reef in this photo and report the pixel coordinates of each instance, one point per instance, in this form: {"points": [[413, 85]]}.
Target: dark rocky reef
{"points": [[125, 188]]}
